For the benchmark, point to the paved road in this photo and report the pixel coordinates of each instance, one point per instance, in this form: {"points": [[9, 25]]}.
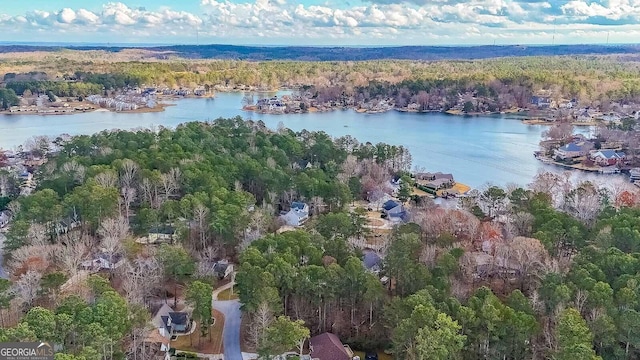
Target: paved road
{"points": [[231, 332]]}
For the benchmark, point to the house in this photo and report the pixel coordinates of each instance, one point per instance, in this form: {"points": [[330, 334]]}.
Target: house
{"points": [[163, 329], [103, 262], [607, 157], [157, 346], [611, 118], [297, 215], [158, 234], [222, 269], [574, 150], [585, 116], [199, 91], [396, 180], [434, 181], [67, 224], [393, 209], [177, 322], [372, 261], [25, 176], [327, 346], [302, 164], [541, 101]]}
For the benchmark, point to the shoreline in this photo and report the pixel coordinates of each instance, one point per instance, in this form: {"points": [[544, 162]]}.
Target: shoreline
{"points": [[251, 108], [551, 123], [159, 108]]}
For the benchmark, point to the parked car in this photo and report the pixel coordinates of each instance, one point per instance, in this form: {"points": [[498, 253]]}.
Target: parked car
{"points": [[371, 355]]}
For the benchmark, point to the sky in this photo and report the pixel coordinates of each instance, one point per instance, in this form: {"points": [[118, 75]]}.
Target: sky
{"points": [[322, 22]]}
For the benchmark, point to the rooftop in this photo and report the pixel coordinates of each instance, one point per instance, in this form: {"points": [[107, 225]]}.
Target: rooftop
{"points": [[327, 346]]}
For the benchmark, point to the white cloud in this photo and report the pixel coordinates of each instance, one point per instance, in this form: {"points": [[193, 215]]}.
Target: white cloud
{"points": [[390, 21]]}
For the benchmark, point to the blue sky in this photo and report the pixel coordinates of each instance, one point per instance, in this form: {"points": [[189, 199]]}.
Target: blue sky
{"points": [[322, 22]]}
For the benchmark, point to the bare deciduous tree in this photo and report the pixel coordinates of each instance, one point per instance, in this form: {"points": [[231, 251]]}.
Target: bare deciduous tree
{"points": [[128, 172], [76, 170], [72, 254], [584, 202], [560, 131], [260, 321], [128, 196], [200, 214], [107, 179], [37, 235], [27, 287], [116, 228]]}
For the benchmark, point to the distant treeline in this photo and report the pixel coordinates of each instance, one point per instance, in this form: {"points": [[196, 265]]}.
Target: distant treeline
{"points": [[309, 53], [78, 84]]}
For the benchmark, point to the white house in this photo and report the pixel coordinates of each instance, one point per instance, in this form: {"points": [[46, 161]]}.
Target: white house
{"points": [[297, 215], [611, 118]]}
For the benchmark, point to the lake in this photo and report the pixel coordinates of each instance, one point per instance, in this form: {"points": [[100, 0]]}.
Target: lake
{"points": [[477, 149]]}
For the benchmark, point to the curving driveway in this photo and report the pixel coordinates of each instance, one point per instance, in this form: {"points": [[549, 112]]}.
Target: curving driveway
{"points": [[231, 331], [232, 319]]}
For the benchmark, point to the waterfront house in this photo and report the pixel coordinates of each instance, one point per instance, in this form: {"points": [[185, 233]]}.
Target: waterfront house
{"points": [[542, 102], [432, 182], [297, 214], [435, 176], [199, 91], [611, 118], [585, 115], [607, 157], [328, 346], [574, 150]]}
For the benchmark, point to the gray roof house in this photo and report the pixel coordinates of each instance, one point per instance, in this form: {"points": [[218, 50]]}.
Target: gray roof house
{"points": [[574, 149], [222, 269], [372, 261], [170, 323], [103, 262], [393, 209], [297, 215]]}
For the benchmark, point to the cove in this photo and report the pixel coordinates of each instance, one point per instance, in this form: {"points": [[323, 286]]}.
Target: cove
{"points": [[478, 149]]}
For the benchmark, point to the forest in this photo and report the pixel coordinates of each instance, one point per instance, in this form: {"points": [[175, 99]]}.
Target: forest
{"points": [[505, 80], [547, 270]]}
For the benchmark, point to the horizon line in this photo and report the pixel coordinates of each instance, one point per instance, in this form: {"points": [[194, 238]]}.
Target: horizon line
{"points": [[134, 44]]}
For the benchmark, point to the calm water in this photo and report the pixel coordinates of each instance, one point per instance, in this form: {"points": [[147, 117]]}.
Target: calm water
{"points": [[476, 150]]}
